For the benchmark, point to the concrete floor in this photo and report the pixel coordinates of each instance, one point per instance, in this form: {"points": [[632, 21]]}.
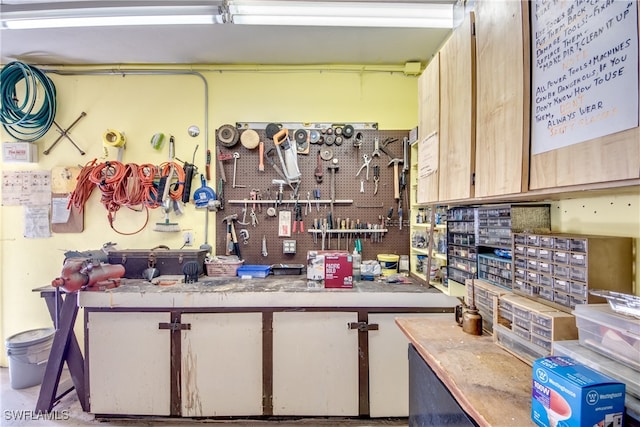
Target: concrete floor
{"points": [[17, 410]]}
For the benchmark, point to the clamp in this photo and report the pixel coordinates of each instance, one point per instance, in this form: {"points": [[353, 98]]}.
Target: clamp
{"points": [[367, 160]]}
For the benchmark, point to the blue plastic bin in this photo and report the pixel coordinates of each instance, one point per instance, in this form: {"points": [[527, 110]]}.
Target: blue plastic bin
{"points": [[254, 271]]}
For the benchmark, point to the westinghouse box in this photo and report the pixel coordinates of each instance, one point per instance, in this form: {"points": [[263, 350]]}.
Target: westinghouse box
{"points": [[568, 394], [334, 267]]}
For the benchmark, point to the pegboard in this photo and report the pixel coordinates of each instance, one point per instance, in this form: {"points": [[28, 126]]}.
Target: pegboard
{"points": [[365, 206]]}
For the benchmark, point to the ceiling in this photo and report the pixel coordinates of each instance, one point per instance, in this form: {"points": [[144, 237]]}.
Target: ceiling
{"points": [[215, 44]]}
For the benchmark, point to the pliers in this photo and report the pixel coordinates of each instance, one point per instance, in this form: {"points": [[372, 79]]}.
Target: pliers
{"points": [[307, 208], [298, 218], [367, 160]]}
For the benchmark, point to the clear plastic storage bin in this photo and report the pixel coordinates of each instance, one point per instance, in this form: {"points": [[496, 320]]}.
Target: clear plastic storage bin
{"points": [[609, 333]]}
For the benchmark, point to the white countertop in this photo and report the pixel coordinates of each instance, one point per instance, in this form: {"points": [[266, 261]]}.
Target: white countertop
{"points": [[273, 291]]}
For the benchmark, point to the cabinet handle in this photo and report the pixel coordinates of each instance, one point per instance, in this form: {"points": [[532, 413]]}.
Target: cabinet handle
{"points": [[363, 326]]}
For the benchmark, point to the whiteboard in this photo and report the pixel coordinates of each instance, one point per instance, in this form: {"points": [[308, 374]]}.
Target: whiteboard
{"points": [[584, 62]]}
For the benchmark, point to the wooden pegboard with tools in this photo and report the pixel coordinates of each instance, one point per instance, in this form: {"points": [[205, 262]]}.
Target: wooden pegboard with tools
{"points": [[317, 147]]}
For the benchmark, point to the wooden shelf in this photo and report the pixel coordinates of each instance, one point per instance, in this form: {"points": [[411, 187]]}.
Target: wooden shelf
{"points": [[420, 251], [425, 251], [453, 288], [438, 255], [427, 225]]}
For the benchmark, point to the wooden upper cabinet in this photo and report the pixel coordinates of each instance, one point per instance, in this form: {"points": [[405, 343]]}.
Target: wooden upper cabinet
{"points": [[457, 113], [428, 126], [502, 138]]}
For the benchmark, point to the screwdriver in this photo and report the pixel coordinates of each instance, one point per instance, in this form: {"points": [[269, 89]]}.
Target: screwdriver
{"points": [[316, 195]]}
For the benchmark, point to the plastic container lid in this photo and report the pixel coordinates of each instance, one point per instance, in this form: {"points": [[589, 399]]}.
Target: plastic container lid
{"points": [[28, 338], [255, 267], [388, 257], [605, 316]]}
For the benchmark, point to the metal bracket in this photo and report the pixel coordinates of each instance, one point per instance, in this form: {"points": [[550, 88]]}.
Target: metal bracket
{"points": [[363, 326], [175, 326]]}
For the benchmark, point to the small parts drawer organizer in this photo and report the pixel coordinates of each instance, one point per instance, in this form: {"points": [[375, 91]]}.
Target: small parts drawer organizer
{"points": [[559, 270], [496, 227], [497, 223], [528, 329]]}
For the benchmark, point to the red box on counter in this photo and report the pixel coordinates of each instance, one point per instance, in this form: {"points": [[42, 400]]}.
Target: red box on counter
{"points": [[338, 270]]}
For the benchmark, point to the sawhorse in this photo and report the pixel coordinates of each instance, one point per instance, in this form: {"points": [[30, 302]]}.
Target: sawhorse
{"points": [[65, 348]]}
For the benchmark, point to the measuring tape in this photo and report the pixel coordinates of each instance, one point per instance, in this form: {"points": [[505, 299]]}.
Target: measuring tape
{"points": [[113, 138]]}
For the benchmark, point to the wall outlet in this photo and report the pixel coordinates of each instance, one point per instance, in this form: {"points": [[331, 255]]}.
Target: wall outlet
{"points": [[187, 238]]}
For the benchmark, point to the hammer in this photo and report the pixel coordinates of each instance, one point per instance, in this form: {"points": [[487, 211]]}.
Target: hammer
{"points": [[230, 232], [396, 183]]}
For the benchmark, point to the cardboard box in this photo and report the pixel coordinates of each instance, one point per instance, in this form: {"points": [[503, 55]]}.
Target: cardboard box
{"points": [[315, 265], [568, 394], [19, 152], [338, 270], [335, 268]]}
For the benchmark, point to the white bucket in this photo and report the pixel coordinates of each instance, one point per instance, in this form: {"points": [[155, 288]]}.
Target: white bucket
{"points": [[28, 354]]}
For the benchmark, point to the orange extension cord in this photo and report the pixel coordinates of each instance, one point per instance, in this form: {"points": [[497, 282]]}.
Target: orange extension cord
{"points": [[128, 185]]}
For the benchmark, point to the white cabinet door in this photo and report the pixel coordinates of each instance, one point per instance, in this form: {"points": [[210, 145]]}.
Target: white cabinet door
{"points": [[389, 365], [129, 366], [315, 364], [222, 364]]}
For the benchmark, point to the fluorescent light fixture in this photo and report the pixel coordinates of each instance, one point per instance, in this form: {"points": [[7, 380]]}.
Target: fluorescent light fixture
{"points": [[110, 16], [341, 13]]}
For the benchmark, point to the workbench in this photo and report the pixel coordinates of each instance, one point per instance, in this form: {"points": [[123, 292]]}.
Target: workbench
{"points": [[231, 347], [490, 385]]}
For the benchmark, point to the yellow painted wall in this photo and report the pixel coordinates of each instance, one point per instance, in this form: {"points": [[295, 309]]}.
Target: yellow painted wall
{"points": [[141, 105]]}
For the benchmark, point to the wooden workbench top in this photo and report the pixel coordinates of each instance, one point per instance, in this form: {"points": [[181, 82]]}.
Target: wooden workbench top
{"points": [[491, 385], [276, 291]]}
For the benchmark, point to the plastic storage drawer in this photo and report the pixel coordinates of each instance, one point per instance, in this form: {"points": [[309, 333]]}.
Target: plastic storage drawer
{"points": [[609, 333]]}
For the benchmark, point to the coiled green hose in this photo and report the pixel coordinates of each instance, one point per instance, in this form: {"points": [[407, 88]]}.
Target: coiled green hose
{"points": [[30, 119]]}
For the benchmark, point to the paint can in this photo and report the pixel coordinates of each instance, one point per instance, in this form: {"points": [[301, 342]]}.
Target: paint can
{"points": [[388, 263]]}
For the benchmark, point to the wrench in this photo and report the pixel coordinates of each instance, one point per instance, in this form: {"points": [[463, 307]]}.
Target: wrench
{"points": [[236, 156], [318, 171], [65, 133], [376, 148], [244, 216]]}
